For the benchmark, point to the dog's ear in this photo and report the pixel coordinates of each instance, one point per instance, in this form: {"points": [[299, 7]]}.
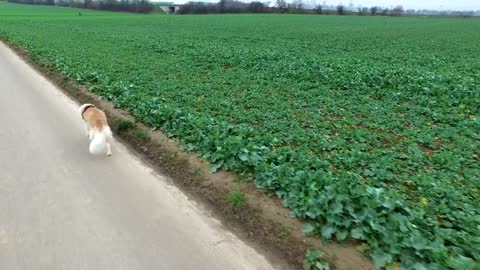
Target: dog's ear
{"points": [[80, 110], [83, 107]]}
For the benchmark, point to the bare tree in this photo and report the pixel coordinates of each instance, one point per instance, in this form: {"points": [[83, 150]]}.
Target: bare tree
{"points": [[340, 9], [410, 11], [281, 4], [298, 4], [385, 11], [221, 6], [362, 11], [318, 9], [256, 7], [397, 11], [373, 10]]}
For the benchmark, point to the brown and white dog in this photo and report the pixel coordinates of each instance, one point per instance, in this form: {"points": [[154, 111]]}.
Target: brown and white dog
{"points": [[97, 129]]}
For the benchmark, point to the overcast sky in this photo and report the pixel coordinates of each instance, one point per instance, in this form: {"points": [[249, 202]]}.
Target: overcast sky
{"points": [[415, 4]]}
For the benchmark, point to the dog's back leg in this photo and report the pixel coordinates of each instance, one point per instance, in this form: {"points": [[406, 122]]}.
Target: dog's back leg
{"points": [[108, 139], [109, 149]]}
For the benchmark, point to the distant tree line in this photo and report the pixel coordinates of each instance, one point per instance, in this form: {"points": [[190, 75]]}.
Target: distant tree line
{"points": [[235, 6], [298, 6], [400, 11], [223, 6], [34, 2], [139, 6]]}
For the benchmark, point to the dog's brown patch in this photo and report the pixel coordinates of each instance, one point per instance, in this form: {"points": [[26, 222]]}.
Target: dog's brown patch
{"points": [[95, 118]]}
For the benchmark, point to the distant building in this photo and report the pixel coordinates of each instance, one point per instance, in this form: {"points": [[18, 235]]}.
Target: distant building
{"points": [[167, 7]]}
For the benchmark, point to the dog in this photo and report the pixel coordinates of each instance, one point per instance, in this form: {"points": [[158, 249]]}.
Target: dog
{"points": [[97, 129]]}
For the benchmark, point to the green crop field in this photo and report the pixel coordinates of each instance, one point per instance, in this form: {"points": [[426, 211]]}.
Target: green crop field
{"points": [[365, 127]]}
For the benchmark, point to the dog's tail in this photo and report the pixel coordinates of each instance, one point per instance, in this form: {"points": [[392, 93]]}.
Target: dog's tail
{"points": [[99, 143]]}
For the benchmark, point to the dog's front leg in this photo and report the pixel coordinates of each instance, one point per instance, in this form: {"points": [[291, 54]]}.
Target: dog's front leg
{"points": [[109, 150]]}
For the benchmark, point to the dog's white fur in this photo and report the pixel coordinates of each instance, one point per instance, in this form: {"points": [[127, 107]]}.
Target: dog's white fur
{"points": [[97, 129]]}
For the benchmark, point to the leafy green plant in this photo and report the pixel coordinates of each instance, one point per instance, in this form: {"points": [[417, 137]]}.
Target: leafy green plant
{"points": [[314, 261], [122, 125], [197, 171], [237, 199], [140, 134]]}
